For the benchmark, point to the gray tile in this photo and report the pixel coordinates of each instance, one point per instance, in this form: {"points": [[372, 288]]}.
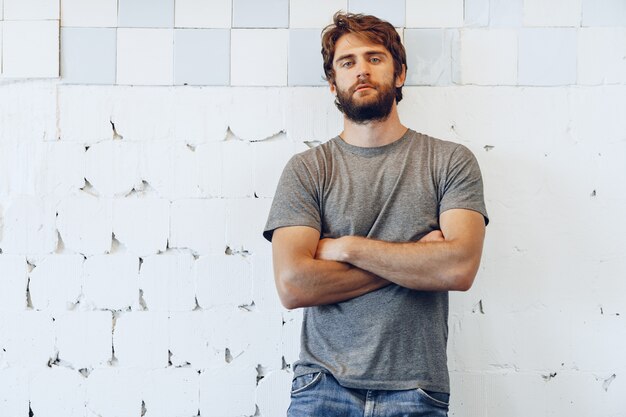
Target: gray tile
{"points": [[260, 13], [146, 13], [305, 59], [547, 56], [429, 55], [88, 55], [506, 13], [393, 11], [476, 13], [604, 13], [201, 56]]}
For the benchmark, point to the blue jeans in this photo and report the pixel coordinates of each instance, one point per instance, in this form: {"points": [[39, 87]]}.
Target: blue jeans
{"points": [[320, 395]]}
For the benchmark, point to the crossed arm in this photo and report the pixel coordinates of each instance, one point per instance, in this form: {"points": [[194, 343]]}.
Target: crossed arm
{"points": [[309, 271]]}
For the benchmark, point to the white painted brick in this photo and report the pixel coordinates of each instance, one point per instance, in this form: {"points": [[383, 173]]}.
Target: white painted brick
{"points": [[114, 392], [62, 170], [254, 337], [84, 223], [601, 53], [203, 14], [28, 226], [272, 393], [257, 113], [112, 167], [55, 282], [258, 57], [31, 9], [198, 225], [291, 335], [30, 49], [264, 291], [270, 157], [552, 13], [143, 113], [110, 281], [140, 341], [57, 392], [98, 13], [46, 169], [210, 169], [598, 334], [171, 169], [506, 13], [228, 391], [311, 114], [26, 338], [13, 389], [145, 56], [85, 113], [305, 14], [13, 279], [167, 282], [197, 339], [223, 280], [142, 224], [428, 14], [84, 339], [237, 169], [596, 113], [171, 392], [18, 103], [201, 114], [604, 13], [547, 56], [247, 235], [488, 57]]}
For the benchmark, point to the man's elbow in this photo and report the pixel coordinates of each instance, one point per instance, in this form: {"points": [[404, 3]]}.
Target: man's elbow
{"points": [[463, 278], [288, 293]]}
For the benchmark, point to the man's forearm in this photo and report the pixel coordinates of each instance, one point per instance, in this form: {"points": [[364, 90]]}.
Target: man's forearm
{"points": [[430, 266], [319, 282]]}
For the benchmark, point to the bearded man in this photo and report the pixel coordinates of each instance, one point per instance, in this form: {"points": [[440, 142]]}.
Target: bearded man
{"points": [[369, 232]]}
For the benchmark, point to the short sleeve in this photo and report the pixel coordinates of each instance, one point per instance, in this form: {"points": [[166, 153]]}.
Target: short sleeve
{"points": [[462, 186], [296, 201]]}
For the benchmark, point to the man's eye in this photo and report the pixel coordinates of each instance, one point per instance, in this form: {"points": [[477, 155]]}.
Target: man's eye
{"points": [[346, 64], [375, 60]]}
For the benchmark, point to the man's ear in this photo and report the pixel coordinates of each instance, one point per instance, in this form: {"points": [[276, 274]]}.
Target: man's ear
{"points": [[401, 78], [333, 87]]}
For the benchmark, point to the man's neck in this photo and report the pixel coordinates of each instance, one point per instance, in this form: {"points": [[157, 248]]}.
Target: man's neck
{"points": [[373, 134]]}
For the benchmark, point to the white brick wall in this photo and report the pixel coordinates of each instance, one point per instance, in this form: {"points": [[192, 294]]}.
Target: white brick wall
{"points": [[134, 278]]}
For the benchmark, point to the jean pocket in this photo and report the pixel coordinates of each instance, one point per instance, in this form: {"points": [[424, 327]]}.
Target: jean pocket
{"points": [[438, 399], [304, 382]]}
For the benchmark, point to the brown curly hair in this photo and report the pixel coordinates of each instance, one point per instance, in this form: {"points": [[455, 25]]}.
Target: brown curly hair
{"points": [[369, 27]]}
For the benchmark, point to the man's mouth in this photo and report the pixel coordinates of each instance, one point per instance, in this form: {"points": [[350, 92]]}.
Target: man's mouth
{"points": [[363, 87]]}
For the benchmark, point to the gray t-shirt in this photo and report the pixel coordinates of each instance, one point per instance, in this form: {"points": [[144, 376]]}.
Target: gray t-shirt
{"points": [[393, 338]]}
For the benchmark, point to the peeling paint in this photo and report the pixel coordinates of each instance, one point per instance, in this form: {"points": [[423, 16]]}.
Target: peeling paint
{"points": [[607, 382], [478, 307], [488, 147], [549, 376]]}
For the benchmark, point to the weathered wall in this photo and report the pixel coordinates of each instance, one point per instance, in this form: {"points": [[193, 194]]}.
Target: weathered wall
{"points": [[133, 276]]}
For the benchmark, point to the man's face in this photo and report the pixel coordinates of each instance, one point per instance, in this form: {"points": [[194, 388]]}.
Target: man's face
{"points": [[364, 79]]}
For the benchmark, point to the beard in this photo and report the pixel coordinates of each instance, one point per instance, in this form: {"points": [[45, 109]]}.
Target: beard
{"points": [[367, 109]]}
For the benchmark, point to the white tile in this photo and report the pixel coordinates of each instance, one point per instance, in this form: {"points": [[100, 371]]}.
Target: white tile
{"points": [[552, 13], [93, 13], [506, 13], [477, 13], [318, 14], [547, 56], [203, 14], [393, 11], [145, 56], [488, 57], [260, 14], [146, 13], [601, 53], [30, 49], [604, 13], [259, 57], [31, 9], [434, 14]]}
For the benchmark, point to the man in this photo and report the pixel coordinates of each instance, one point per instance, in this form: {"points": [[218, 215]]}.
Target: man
{"points": [[369, 232]]}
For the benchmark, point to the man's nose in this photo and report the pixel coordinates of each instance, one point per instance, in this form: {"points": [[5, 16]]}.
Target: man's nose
{"points": [[363, 69]]}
